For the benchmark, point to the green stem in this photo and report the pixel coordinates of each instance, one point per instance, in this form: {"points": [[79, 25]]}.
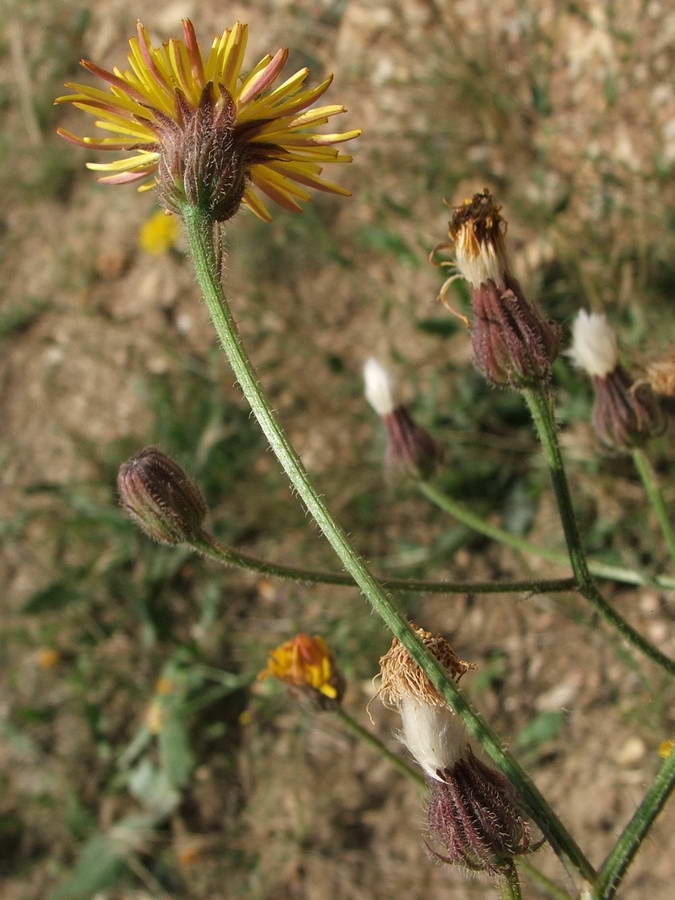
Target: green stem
{"points": [[377, 745], [200, 240], [650, 482], [209, 546], [545, 883], [614, 867], [509, 884], [477, 523], [541, 407]]}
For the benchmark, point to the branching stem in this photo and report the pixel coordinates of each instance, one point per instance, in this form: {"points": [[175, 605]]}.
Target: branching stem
{"points": [[541, 406], [200, 240], [209, 546]]}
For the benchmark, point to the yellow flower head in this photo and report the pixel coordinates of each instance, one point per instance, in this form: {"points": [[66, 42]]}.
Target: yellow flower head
{"points": [[204, 131], [306, 662], [158, 233]]}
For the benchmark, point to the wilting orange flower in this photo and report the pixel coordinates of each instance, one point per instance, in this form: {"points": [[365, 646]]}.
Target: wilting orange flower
{"points": [[48, 657], [305, 662], [183, 114]]}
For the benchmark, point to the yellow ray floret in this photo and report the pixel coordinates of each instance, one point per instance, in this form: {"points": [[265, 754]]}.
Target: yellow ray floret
{"points": [[273, 127], [304, 661]]}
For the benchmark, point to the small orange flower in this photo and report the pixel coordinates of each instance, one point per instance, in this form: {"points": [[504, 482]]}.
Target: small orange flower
{"points": [[306, 662], [203, 130], [48, 657]]}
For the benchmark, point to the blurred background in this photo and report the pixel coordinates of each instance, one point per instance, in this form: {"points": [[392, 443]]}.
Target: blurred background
{"points": [[566, 112]]}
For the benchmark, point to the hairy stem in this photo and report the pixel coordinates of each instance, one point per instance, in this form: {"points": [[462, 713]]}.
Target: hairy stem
{"points": [[651, 485], [509, 884], [541, 407], [628, 844], [463, 514], [209, 546], [200, 240]]}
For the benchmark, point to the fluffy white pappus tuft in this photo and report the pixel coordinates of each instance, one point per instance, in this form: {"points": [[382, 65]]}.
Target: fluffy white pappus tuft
{"points": [[378, 387], [594, 347], [479, 263], [435, 736]]}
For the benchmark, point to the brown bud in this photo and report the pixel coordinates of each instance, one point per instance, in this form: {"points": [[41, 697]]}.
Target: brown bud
{"points": [[473, 815], [624, 415], [410, 449], [161, 498]]}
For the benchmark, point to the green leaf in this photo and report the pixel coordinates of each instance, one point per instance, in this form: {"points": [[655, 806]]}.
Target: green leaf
{"points": [[56, 596], [175, 755], [543, 727], [101, 864], [439, 327]]}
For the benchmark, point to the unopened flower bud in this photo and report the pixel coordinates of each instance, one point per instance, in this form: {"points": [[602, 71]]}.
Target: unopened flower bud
{"points": [[410, 449], [161, 498], [306, 664], [513, 344], [625, 415], [474, 818]]}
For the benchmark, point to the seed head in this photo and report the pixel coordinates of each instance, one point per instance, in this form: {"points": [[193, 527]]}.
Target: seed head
{"points": [[594, 346], [410, 448], [625, 415], [378, 387]]}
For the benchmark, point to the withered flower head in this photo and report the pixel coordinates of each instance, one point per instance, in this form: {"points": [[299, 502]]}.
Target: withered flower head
{"points": [[410, 448], [400, 676], [306, 664], [625, 415], [161, 498], [473, 815], [477, 231], [513, 344], [660, 376], [474, 818], [431, 731], [207, 133]]}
